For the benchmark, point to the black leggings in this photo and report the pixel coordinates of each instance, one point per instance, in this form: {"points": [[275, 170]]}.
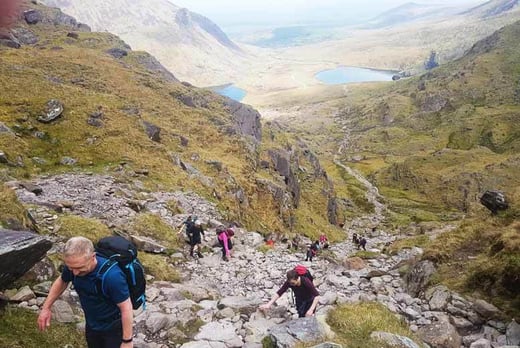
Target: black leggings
{"points": [[230, 246], [104, 339], [303, 307]]}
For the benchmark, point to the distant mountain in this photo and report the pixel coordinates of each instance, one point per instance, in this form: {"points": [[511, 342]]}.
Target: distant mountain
{"points": [[190, 45], [409, 12], [494, 8]]}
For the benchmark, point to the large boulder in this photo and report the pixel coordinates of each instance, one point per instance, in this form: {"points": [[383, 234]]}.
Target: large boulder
{"points": [[19, 252], [494, 201], [298, 331], [419, 276], [440, 334]]}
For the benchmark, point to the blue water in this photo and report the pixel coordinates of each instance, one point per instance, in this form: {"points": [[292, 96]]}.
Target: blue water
{"points": [[233, 92], [350, 74]]}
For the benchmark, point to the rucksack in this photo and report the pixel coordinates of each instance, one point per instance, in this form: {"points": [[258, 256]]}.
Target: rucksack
{"points": [[123, 253], [303, 271]]}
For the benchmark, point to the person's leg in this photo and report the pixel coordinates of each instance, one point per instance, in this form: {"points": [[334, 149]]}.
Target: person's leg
{"points": [[112, 338], [303, 307], [94, 338]]}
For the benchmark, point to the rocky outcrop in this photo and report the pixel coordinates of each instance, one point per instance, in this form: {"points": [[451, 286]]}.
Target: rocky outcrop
{"points": [[494, 201], [246, 119], [301, 330], [283, 163], [19, 252], [150, 63]]}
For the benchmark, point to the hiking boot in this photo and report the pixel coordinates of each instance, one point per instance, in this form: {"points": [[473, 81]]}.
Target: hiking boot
{"points": [[199, 254]]}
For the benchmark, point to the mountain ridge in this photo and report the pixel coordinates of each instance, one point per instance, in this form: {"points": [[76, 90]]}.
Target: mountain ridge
{"points": [[190, 45]]}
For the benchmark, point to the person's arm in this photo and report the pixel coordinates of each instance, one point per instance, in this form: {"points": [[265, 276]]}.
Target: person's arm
{"points": [[57, 288], [312, 308], [270, 303], [127, 319], [181, 229]]}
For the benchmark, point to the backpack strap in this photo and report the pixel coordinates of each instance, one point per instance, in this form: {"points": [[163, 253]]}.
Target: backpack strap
{"points": [[101, 274]]}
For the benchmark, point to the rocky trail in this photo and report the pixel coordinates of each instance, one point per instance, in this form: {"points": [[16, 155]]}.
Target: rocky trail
{"points": [[216, 304]]}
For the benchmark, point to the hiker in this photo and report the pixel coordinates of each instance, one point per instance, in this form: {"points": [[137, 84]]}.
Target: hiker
{"points": [[313, 250], [362, 243], [186, 225], [324, 241], [224, 239], [355, 239], [108, 316], [195, 231], [305, 294]]}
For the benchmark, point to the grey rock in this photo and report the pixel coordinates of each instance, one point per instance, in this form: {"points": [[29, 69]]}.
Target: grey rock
{"points": [[117, 53], [513, 333], [328, 345], [217, 331], [481, 343], [24, 294], [68, 161], [393, 340], [419, 276], [440, 334], [438, 297], [62, 312], [486, 309], [147, 244], [25, 36], [32, 16], [301, 330], [19, 252], [153, 132], [53, 110]]}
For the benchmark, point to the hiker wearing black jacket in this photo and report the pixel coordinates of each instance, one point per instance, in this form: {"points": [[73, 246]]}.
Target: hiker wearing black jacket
{"points": [[305, 294]]}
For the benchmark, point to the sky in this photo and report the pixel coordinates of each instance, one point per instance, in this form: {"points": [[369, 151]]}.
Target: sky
{"points": [[230, 12]]}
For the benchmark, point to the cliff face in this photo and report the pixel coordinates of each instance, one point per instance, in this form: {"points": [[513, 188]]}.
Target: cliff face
{"points": [[190, 45], [494, 8]]}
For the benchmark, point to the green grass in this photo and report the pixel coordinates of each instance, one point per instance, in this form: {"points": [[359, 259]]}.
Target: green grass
{"points": [[11, 211], [19, 329], [353, 324], [73, 225], [159, 267]]}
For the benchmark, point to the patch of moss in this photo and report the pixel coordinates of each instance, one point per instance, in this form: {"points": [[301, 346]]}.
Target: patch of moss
{"points": [[153, 226], [159, 267], [11, 210], [15, 332], [354, 323], [73, 225]]}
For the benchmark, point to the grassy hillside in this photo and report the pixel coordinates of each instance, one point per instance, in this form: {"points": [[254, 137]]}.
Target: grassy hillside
{"points": [[78, 71], [433, 144]]}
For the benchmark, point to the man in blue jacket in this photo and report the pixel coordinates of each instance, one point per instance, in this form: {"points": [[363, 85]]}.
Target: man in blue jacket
{"points": [[109, 318]]}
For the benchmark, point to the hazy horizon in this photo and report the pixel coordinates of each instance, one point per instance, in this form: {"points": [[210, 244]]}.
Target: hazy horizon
{"points": [[228, 13]]}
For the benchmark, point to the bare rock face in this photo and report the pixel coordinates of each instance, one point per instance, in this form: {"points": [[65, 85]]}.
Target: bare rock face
{"points": [[440, 334], [247, 119], [19, 252]]}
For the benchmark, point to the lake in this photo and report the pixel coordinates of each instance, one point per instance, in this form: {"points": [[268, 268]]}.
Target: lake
{"points": [[351, 74], [231, 91]]}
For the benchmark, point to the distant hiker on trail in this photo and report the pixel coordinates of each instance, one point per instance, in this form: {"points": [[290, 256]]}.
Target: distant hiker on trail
{"points": [[195, 231], [313, 250], [305, 294], [324, 241], [224, 239], [355, 239], [362, 243], [186, 225], [108, 316]]}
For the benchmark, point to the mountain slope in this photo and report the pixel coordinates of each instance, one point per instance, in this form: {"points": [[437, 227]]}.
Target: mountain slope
{"points": [[494, 8], [188, 44], [409, 12]]}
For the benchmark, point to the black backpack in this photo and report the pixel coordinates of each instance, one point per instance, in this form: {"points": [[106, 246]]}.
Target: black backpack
{"points": [[123, 253]]}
